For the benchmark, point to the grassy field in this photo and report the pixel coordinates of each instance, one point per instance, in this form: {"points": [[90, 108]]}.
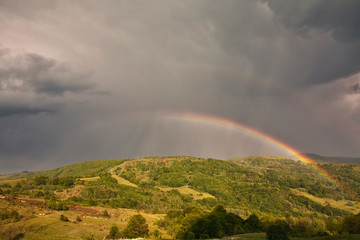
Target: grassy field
{"points": [[89, 179], [10, 182], [120, 179], [38, 222], [189, 191], [347, 205], [41, 223]]}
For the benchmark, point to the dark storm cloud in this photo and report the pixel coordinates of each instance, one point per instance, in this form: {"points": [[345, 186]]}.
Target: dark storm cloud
{"points": [[310, 50], [339, 17], [313, 20], [21, 110], [35, 73]]}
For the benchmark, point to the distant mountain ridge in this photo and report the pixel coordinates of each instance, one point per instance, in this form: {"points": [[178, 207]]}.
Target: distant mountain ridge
{"points": [[325, 159]]}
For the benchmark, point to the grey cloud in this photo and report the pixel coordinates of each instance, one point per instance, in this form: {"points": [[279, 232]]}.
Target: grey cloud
{"points": [[22, 111], [25, 9], [35, 73]]}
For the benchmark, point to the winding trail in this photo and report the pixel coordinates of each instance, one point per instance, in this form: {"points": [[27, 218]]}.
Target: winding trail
{"points": [[120, 179]]}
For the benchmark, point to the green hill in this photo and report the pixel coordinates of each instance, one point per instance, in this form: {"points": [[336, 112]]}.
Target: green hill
{"points": [[270, 187], [246, 185], [85, 169]]}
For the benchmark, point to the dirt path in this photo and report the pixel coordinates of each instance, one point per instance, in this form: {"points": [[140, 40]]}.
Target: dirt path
{"points": [[120, 179]]}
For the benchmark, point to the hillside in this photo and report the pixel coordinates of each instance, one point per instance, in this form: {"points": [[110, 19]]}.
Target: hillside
{"points": [[270, 187], [246, 185], [88, 168]]}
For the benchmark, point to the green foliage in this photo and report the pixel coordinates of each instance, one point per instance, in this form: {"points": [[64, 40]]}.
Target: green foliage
{"points": [[196, 224], [18, 236], [156, 233], [11, 215], [40, 180], [253, 223], [83, 169], [61, 181], [64, 218], [348, 175], [248, 185], [136, 227], [351, 224], [334, 225], [276, 232], [187, 188], [57, 205], [114, 232], [106, 214], [172, 179], [106, 178], [88, 237]]}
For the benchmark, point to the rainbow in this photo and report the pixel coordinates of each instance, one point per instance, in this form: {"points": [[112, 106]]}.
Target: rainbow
{"points": [[232, 125]]}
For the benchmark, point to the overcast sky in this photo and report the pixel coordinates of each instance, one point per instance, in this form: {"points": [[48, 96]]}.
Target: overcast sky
{"points": [[85, 80]]}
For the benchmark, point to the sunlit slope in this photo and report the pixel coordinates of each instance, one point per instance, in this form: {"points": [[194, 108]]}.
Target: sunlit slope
{"points": [[347, 174], [40, 223], [88, 168], [262, 184], [256, 184]]}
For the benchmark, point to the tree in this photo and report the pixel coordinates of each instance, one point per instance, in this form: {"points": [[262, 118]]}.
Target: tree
{"points": [[136, 227], [40, 180], [114, 232], [254, 223], [276, 232], [218, 223], [351, 224]]}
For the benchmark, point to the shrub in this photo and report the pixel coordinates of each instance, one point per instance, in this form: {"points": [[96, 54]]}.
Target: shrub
{"points": [[276, 232], [63, 218], [106, 214], [6, 214], [156, 233], [88, 237], [18, 236], [58, 206]]}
